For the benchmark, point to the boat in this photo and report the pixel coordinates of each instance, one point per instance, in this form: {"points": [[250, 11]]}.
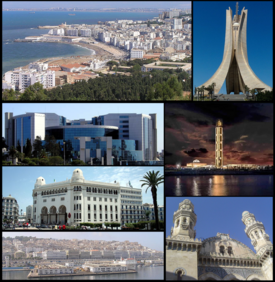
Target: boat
{"points": [[71, 14]]}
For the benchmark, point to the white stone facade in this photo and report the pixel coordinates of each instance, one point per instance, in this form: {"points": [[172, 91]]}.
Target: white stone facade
{"points": [[86, 201]]}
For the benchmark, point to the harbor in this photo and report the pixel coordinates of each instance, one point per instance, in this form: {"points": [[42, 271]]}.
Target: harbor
{"points": [[83, 273]]}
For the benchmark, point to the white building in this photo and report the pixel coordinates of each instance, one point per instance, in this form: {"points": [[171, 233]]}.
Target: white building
{"points": [[10, 209], [137, 54], [150, 207], [85, 32], [177, 24], [72, 32], [21, 79], [54, 255], [86, 201], [187, 26], [29, 213], [57, 31], [98, 268], [53, 269], [39, 66]]}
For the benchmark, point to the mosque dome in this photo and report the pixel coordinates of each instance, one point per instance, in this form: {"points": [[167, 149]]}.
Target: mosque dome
{"points": [[77, 176], [39, 182], [223, 245]]}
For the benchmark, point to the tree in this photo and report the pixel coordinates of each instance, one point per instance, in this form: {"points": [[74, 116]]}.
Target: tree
{"points": [[37, 146], [28, 148], [147, 214], [12, 153], [4, 145], [51, 146], [152, 180], [18, 147]]}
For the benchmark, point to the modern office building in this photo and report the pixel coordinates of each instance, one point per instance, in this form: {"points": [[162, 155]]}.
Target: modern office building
{"points": [[10, 209], [79, 200], [111, 138], [137, 53]]}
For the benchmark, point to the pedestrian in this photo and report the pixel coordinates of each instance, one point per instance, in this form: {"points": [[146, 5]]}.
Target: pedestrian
{"points": [[23, 225], [27, 225]]}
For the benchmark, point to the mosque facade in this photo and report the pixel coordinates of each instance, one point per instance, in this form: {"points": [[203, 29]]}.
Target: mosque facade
{"points": [[219, 257]]}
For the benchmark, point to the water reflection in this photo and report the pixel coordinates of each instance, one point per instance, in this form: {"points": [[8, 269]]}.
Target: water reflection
{"points": [[219, 185]]}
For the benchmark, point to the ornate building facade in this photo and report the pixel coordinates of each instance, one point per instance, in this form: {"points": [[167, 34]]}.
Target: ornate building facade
{"points": [[219, 257]]}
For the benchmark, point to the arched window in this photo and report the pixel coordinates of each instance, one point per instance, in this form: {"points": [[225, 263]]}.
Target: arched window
{"points": [[177, 223], [95, 190], [66, 189], [257, 235], [184, 220], [222, 249], [229, 250], [191, 224]]}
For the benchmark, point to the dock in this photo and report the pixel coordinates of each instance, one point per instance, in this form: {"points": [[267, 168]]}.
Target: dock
{"points": [[82, 273]]}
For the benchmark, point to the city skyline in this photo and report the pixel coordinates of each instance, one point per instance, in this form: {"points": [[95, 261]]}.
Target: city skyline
{"points": [[152, 240], [87, 111], [209, 56], [190, 133], [26, 178], [224, 215], [95, 5]]}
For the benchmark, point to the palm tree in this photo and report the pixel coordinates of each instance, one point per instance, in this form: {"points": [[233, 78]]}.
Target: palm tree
{"points": [[147, 214], [152, 180]]}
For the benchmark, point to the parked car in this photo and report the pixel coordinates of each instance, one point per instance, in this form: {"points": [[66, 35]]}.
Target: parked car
{"points": [[43, 226]]}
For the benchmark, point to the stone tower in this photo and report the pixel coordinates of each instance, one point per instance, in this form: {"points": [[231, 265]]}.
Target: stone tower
{"points": [[235, 67], [219, 144], [182, 248], [260, 240]]}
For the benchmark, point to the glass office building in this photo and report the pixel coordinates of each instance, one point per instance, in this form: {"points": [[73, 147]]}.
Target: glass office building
{"points": [[129, 137]]}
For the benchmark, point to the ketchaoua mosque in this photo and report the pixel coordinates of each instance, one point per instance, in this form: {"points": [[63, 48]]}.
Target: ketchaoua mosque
{"points": [[219, 257]]}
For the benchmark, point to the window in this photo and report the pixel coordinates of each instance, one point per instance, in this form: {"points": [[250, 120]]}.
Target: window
{"points": [[100, 199], [230, 251], [53, 199], [106, 216], [222, 249], [116, 208], [89, 207], [115, 200], [94, 216], [63, 199], [106, 208], [100, 207], [111, 208], [89, 198], [34, 202], [94, 207], [105, 199], [34, 209], [89, 216], [94, 198], [44, 200], [100, 216], [111, 199]]}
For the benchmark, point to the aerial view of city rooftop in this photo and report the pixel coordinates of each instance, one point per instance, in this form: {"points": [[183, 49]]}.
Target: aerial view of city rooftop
{"points": [[91, 53]]}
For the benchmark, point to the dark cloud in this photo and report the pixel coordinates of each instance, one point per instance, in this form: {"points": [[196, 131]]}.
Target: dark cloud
{"points": [[166, 154], [196, 152], [248, 159]]}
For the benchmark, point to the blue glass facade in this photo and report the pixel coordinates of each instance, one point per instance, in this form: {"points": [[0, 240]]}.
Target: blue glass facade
{"points": [[126, 150], [18, 131], [146, 138], [26, 129]]}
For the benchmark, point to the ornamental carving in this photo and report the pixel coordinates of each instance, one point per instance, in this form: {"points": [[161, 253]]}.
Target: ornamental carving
{"points": [[223, 271]]}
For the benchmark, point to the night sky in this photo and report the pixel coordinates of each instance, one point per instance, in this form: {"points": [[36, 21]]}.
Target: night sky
{"points": [[247, 131]]}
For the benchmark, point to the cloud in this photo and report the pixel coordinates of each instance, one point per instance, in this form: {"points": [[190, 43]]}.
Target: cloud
{"points": [[239, 141], [197, 152], [248, 159], [243, 136]]}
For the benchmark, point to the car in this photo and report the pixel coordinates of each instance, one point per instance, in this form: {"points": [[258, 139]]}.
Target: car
{"points": [[43, 226], [20, 225]]}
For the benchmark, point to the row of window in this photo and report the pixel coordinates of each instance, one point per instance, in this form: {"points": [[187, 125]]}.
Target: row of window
{"points": [[78, 216], [78, 207]]}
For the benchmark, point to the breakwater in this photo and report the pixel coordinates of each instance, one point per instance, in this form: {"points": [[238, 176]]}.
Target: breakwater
{"points": [[219, 172]]}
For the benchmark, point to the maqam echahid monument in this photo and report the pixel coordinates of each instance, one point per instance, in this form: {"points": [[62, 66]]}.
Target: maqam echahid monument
{"points": [[235, 68], [219, 257]]}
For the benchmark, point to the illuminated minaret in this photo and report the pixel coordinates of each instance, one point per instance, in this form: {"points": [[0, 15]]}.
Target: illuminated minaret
{"points": [[255, 231], [219, 144]]}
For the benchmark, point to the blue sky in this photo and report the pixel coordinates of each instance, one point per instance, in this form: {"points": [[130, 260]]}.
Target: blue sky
{"points": [[96, 4], [224, 214], [152, 240], [19, 181], [88, 110], [209, 36]]}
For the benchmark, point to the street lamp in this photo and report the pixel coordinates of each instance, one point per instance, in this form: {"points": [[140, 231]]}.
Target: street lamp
{"points": [[64, 150]]}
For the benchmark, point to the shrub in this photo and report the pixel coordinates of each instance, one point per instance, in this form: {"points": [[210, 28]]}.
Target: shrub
{"points": [[56, 160], [43, 162], [31, 163], [77, 162]]}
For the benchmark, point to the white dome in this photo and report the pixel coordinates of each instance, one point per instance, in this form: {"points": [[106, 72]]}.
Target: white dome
{"points": [[236, 24], [196, 161], [39, 182], [77, 175]]}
